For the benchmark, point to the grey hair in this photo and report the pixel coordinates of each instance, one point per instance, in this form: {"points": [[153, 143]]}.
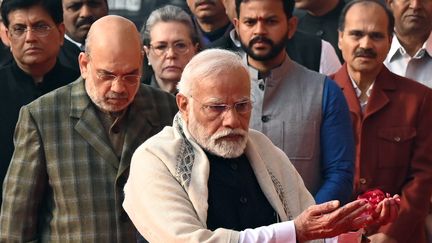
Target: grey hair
{"points": [[206, 64], [168, 13]]}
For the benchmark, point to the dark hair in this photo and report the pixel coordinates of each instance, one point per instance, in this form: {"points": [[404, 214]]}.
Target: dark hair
{"points": [[288, 7], [390, 17], [52, 7]]}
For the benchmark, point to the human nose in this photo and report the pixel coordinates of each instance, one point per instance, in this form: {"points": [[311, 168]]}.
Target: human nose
{"points": [[30, 36], [365, 42], [230, 118], [170, 52], [117, 85], [260, 28], [85, 11]]}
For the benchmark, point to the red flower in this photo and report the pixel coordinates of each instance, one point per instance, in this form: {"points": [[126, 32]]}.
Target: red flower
{"points": [[373, 196]]}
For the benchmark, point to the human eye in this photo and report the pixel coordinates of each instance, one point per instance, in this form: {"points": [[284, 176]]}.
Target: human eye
{"points": [[94, 4], [74, 6], [131, 79], [41, 27], [19, 29], [377, 36], [216, 108], [249, 22], [103, 76], [272, 21], [356, 34]]}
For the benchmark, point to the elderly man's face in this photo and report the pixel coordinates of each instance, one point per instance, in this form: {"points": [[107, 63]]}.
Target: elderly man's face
{"points": [[112, 77], [412, 16], [79, 15], [365, 40], [34, 37], [218, 130]]}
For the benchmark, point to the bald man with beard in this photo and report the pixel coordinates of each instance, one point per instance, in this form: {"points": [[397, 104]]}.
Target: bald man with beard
{"points": [[73, 146]]}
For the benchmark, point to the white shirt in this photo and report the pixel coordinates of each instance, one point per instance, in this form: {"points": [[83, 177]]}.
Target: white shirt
{"points": [[329, 61], [418, 67], [358, 91]]}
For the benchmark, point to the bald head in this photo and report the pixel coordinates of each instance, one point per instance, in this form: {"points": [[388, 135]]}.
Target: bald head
{"points": [[113, 31], [112, 63]]}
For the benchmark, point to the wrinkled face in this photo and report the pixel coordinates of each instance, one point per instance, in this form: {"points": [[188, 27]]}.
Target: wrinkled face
{"points": [[79, 15], [365, 41], [206, 9], [412, 16], [220, 131], [33, 36], [262, 28], [170, 50], [112, 77]]}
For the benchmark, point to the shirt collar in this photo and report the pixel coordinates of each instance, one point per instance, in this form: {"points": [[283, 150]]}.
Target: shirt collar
{"points": [[70, 39], [397, 48]]}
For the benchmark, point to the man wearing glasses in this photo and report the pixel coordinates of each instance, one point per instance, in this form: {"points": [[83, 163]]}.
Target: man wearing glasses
{"points": [[209, 178], [74, 145], [34, 30]]}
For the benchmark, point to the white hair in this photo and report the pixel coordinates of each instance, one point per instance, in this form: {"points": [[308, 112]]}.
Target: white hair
{"points": [[208, 63]]}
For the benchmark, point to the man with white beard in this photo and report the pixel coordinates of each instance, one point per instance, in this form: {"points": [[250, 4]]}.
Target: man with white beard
{"points": [[209, 178]]}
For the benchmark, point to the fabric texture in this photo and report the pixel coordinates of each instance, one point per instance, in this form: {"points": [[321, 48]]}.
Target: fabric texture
{"points": [[166, 193], [68, 55], [65, 182], [17, 88], [305, 114], [418, 67], [393, 141]]}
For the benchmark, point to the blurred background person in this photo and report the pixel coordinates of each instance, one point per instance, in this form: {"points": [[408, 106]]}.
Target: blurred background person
{"points": [[210, 19], [5, 54], [320, 18], [78, 16], [170, 41], [410, 54]]}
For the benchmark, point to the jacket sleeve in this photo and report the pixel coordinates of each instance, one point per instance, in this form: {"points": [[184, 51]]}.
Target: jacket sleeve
{"points": [[416, 192], [337, 147], [24, 185]]}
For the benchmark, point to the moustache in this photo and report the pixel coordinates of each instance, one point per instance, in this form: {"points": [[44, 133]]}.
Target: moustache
{"points": [[362, 52], [229, 132], [85, 21], [114, 95], [199, 2], [260, 39]]}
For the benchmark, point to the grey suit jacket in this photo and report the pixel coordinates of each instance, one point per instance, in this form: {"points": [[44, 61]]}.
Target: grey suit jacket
{"points": [[65, 183]]}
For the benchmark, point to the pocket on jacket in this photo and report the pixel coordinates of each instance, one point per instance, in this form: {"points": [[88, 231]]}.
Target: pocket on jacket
{"points": [[395, 145]]}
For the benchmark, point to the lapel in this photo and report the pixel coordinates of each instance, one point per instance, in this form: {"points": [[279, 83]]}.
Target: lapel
{"points": [[89, 125], [143, 121], [379, 99], [344, 81], [264, 180]]}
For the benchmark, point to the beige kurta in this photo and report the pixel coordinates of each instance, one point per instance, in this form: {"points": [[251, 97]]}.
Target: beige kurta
{"points": [[166, 193]]}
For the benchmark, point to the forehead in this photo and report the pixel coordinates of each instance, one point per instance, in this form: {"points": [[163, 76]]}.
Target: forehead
{"points": [[32, 14], [261, 8], [366, 16], [170, 30], [69, 2], [226, 85]]}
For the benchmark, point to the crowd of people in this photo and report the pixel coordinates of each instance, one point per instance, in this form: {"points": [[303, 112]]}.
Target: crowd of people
{"points": [[216, 121]]}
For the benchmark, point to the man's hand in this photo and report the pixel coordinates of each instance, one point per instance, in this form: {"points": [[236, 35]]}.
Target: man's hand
{"points": [[387, 210], [327, 220]]}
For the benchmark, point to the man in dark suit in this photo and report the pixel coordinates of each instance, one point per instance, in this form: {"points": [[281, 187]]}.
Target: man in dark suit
{"points": [[391, 118], [34, 70], [76, 143], [78, 16]]}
